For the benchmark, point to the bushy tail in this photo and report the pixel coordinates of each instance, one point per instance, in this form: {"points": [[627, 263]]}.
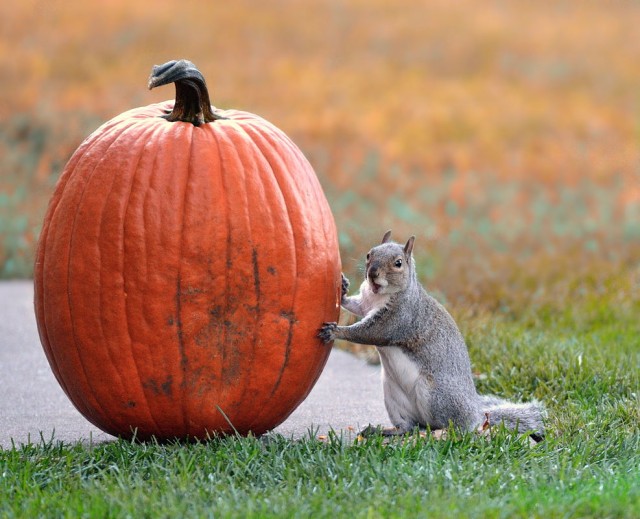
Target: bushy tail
{"points": [[516, 417]]}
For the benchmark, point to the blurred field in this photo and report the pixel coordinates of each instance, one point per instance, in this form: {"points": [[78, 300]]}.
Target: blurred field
{"points": [[505, 135]]}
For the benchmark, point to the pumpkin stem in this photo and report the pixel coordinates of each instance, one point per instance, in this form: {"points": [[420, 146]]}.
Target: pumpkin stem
{"points": [[192, 103]]}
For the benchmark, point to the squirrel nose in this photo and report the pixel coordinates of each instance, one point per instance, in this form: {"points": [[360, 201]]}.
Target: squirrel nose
{"points": [[373, 271]]}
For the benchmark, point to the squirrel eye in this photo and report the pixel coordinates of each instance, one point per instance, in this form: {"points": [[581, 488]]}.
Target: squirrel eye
{"points": [[368, 256], [398, 263]]}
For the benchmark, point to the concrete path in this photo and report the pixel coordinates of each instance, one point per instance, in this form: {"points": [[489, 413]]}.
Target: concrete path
{"points": [[32, 404]]}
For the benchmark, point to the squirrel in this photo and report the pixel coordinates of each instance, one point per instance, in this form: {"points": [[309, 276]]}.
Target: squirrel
{"points": [[426, 370]]}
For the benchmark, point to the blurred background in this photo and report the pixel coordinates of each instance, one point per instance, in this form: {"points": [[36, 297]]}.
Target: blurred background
{"points": [[504, 134]]}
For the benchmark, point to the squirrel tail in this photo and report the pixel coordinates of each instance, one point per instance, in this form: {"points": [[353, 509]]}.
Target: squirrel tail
{"points": [[517, 417]]}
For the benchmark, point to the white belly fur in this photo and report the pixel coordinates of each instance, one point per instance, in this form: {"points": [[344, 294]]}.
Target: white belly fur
{"points": [[400, 378]]}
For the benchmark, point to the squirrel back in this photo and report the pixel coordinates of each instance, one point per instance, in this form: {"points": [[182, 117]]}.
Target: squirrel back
{"points": [[427, 378]]}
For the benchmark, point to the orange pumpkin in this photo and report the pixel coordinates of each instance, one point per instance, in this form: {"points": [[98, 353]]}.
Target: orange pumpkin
{"points": [[187, 259]]}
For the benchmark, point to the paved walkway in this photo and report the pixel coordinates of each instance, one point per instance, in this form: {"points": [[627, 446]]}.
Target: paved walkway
{"points": [[348, 393]]}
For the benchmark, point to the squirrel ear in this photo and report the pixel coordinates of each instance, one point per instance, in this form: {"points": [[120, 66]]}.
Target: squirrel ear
{"points": [[386, 237], [408, 248]]}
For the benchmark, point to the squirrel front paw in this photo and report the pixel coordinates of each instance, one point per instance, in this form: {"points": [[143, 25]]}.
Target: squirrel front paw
{"points": [[328, 332], [345, 285]]}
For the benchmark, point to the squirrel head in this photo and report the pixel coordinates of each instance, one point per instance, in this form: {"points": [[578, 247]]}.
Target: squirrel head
{"points": [[389, 266]]}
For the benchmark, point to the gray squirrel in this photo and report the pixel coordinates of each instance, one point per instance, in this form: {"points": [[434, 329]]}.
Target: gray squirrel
{"points": [[426, 371]]}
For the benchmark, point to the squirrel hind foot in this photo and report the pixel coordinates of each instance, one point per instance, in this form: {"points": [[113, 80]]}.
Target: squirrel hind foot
{"points": [[377, 430], [537, 437]]}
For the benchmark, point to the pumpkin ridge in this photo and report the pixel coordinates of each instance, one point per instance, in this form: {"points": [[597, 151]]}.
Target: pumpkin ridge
{"points": [[41, 255], [143, 137], [98, 405], [184, 361], [225, 203], [235, 184], [216, 185], [152, 137], [103, 216], [103, 138], [274, 139], [319, 196], [258, 139], [254, 254], [258, 314]]}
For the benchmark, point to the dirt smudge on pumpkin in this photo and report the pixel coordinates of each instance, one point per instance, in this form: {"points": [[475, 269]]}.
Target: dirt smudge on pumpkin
{"points": [[159, 388], [199, 381], [231, 359], [209, 336], [254, 309], [191, 291], [178, 320], [291, 317], [205, 338], [256, 277]]}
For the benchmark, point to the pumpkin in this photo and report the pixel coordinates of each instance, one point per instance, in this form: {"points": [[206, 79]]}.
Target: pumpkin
{"points": [[187, 259]]}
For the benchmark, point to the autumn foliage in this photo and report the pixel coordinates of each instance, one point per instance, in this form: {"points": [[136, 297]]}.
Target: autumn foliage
{"points": [[496, 132]]}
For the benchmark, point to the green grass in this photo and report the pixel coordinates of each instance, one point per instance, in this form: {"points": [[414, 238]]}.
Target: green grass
{"points": [[466, 476], [580, 357]]}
